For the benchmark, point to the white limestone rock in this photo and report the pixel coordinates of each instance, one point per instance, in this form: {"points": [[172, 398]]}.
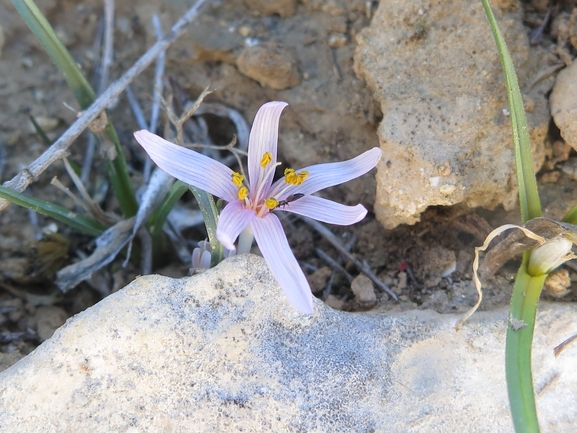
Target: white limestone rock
{"points": [[224, 352]]}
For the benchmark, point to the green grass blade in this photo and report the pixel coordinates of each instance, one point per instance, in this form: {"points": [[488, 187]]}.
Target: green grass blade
{"points": [[40, 131], [521, 326], [82, 223], [85, 95], [210, 215], [159, 217], [528, 194], [527, 290], [571, 216]]}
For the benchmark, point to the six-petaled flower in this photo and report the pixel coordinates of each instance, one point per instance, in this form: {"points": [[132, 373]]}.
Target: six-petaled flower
{"points": [[251, 204]]}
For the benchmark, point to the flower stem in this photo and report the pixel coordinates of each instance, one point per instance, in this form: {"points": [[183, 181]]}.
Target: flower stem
{"points": [[520, 330], [245, 241]]}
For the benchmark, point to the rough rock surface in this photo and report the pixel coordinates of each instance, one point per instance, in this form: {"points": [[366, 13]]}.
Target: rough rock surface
{"points": [[223, 351], [446, 139], [564, 104], [271, 66]]}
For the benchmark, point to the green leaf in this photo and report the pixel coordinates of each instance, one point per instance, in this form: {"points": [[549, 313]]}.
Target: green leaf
{"points": [[84, 94], [210, 215], [521, 326], [528, 194], [82, 223], [159, 217], [527, 290], [40, 131]]}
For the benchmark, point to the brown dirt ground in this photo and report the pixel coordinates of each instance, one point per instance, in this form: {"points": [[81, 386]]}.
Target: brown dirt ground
{"points": [[409, 259]]}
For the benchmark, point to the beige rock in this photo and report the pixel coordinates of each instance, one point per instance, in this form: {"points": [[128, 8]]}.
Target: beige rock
{"points": [[272, 66], [557, 283], [48, 319], [362, 287], [223, 352], [446, 140], [564, 104]]}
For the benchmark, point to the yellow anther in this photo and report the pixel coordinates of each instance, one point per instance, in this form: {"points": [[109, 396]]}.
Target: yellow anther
{"points": [[242, 192], [290, 176], [266, 159], [293, 178], [302, 175], [237, 178], [271, 203]]}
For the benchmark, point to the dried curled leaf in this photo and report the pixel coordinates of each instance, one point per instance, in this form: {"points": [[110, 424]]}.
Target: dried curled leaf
{"points": [[535, 233]]}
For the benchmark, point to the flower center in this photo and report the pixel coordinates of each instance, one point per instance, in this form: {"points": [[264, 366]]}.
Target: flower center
{"points": [[264, 205]]}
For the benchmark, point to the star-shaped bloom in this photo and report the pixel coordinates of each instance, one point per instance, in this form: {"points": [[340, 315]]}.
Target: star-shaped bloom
{"points": [[251, 204]]}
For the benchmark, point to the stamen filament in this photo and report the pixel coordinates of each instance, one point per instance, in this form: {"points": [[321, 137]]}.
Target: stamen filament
{"points": [[263, 174]]}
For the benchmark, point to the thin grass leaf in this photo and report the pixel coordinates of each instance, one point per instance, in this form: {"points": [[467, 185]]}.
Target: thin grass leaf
{"points": [[40, 131], [571, 216], [79, 222], [159, 217], [84, 94], [528, 194], [523, 307]]}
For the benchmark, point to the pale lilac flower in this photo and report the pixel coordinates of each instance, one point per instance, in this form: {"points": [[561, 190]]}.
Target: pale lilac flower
{"points": [[251, 204]]}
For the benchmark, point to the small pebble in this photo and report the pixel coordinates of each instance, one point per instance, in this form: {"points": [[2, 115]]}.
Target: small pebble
{"points": [[364, 291]]}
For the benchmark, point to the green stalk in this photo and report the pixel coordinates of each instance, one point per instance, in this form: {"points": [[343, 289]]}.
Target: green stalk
{"points": [[527, 288], [521, 326], [210, 215], [84, 94], [528, 194]]}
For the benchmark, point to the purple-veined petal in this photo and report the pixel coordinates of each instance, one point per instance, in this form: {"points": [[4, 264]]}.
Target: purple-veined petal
{"points": [[189, 166], [273, 244], [327, 211], [322, 176], [233, 220], [263, 138]]}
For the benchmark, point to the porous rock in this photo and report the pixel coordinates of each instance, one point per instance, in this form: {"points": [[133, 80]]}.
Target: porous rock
{"points": [[445, 134], [564, 104], [223, 351]]}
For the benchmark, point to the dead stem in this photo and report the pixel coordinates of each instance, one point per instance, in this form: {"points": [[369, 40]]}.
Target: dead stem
{"points": [[363, 267], [333, 264], [158, 89], [59, 149], [104, 72]]}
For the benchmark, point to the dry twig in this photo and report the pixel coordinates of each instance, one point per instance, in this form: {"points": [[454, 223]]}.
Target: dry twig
{"points": [[363, 267]]}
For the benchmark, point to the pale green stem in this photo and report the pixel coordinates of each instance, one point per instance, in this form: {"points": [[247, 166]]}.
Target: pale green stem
{"points": [[245, 241], [522, 312]]}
